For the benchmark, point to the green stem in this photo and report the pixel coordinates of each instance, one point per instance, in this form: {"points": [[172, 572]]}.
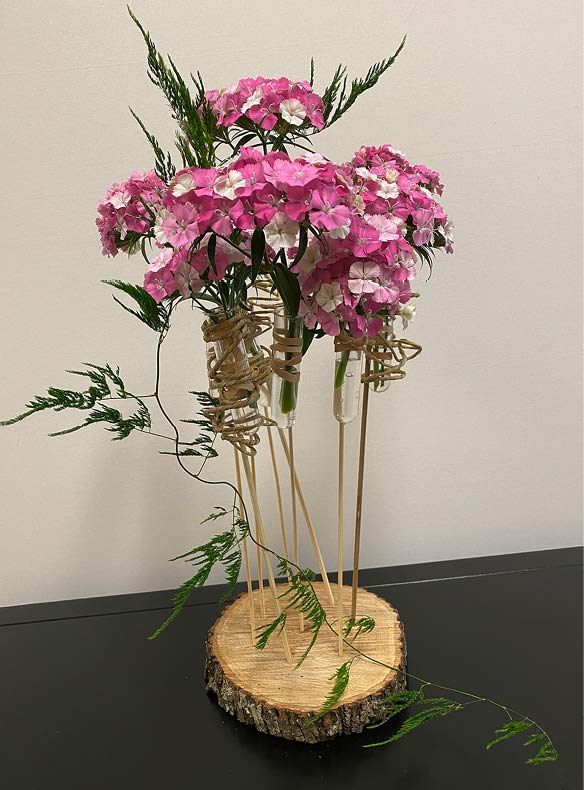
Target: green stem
{"points": [[289, 389], [341, 369], [288, 396]]}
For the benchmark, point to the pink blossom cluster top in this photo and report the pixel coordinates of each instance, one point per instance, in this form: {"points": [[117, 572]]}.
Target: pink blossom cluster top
{"points": [[367, 222], [265, 101]]}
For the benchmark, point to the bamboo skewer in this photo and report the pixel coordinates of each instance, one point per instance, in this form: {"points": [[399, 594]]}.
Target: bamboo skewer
{"points": [[340, 518], [294, 513], [359, 506], [278, 490], [308, 521], [262, 540], [293, 493], [246, 554], [258, 550]]}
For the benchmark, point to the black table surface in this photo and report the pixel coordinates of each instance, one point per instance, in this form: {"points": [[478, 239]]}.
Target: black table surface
{"points": [[86, 702]]}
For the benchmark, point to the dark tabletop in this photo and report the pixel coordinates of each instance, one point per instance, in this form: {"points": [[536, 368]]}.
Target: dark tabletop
{"points": [[87, 703]]}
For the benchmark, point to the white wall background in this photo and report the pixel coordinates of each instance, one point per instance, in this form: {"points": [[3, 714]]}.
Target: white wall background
{"points": [[477, 452]]}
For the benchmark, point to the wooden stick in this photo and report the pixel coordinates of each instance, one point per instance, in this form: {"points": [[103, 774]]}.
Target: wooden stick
{"points": [[308, 521], [262, 540], [293, 493], [359, 507], [278, 490], [258, 550], [246, 555], [340, 517], [294, 513]]}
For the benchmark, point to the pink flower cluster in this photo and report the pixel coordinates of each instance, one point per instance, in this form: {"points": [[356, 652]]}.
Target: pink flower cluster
{"points": [[364, 220], [367, 266], [128, 207], [265, 101]]}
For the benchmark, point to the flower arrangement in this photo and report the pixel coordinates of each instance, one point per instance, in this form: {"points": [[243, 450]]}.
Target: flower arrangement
{"points": [[352, 234], [323, 249]]}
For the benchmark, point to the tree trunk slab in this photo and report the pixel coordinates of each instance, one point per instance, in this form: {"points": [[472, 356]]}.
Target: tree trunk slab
{"points": [[260, 688]]}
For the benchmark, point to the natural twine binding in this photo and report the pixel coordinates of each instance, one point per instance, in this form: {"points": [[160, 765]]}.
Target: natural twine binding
{"points": [[344, 342], [390, 354], [237, 380], [262, 312], [291, 348]]}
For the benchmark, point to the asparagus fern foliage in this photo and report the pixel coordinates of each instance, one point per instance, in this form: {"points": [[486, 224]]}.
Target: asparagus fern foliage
{"points": [[428, 708], [340, 680], [360, 625], [339, 97], [203, 445], [197, 127], [155, 315], [299, 595], [163, 166], [106, 385], [223, 548]]}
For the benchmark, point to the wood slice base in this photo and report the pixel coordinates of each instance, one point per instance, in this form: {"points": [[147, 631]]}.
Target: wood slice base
{"points": [[259, 687]]}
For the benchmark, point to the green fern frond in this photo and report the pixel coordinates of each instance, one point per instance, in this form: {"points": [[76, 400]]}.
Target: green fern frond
{"points": [[362, 625], [150, 312], [335, 97], [202, 446], [341, 679], [105, 383], [396, 704], [223, 548], [197, 125], [331, 92], [509, 730], [430, 709], [115, 422], [163, 166], [266, 631], [547, 754], [298, 595]]}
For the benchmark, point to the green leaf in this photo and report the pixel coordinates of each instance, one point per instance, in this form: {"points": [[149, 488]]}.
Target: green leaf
{"points": [[287, 286], [243, 141], [308, 336], [302, 244], [211, 247], [239, 284], [258, 247]]}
